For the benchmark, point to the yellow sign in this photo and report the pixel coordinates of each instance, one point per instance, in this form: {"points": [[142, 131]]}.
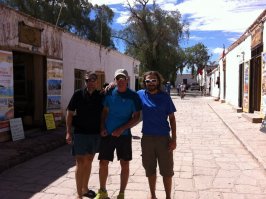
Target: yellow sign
{"points": [[49, 120]]}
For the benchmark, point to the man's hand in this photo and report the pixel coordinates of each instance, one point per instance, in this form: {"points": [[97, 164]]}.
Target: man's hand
{"points": [[172, 145], [104, 133], [117, 132], [68, 137]]}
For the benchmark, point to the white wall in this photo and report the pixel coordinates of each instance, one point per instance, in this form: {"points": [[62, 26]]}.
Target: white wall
{"points": [[180, 77], [234, 58], [85, 55], [214, 87]]}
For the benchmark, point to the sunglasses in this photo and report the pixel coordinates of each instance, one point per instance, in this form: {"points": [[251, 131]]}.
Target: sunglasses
{"points": [[90, 80], [147, 81], [120, 77]]}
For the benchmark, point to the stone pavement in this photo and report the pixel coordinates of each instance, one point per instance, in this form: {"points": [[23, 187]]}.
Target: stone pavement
{"points": [[219, 155]]}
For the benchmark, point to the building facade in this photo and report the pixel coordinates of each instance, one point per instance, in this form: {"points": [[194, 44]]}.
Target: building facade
{"points": [[243, 72], [41, 65]]}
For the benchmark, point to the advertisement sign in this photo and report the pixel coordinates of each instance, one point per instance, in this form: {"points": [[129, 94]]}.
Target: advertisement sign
{"points": [[17, 130], [54, 84], [263, 85], [246, 88], [49, 121], [6, 86]]}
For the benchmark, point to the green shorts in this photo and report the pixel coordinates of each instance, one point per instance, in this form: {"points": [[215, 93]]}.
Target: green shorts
{"points": [[83, 144], [155, 149]]}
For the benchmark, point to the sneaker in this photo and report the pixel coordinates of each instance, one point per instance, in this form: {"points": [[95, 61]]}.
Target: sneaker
{"points": [[101, 194], [121, 196]]}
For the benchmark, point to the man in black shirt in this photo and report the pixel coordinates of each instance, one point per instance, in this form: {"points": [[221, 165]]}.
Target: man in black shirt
{"points": [[84, 114]]}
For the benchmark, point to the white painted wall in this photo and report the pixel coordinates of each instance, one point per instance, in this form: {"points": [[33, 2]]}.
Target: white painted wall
{"points": [[234, 58], [180, 77], [214, 88], [85, 55]]}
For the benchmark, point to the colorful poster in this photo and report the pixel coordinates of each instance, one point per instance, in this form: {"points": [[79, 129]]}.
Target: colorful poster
{"points": [[246, 88], [263, 85], [54, 84], [54, 102], [6, 86]]}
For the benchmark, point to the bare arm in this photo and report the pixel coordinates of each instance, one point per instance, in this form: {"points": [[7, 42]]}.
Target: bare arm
{"points": [[103, 118], [69, 119], [172, 144], [132, 122]]}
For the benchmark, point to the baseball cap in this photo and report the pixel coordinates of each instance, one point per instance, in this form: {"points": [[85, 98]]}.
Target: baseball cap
{"points": [[90, 75], [121, 72]]}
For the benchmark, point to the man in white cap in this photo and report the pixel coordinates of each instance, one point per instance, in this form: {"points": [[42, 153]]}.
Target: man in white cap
{"points": [[121, 112]]}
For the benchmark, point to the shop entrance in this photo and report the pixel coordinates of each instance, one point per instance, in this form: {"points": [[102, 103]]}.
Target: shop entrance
{"points": [[29, 88], [255, 79], [241, 85]]}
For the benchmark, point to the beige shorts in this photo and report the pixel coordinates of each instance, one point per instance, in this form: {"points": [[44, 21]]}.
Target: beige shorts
{"points": [[155, 149]]}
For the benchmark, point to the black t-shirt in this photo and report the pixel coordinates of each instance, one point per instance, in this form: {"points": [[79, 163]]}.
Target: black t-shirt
{"points": [[88, 109]]}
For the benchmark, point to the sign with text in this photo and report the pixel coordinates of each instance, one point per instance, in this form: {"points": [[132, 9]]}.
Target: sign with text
{"points": [[16, 128], [49, 121]]}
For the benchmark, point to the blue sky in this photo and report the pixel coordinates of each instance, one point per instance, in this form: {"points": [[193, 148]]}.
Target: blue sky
{"points": [[212, 22]]}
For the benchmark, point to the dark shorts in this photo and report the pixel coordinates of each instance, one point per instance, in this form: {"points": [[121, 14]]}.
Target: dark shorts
{"points": [[122, 145], [155, 149], [83, 144]]}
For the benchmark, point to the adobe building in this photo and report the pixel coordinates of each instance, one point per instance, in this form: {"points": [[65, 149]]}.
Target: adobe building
{"points": [[41, 65], [242, 72]]}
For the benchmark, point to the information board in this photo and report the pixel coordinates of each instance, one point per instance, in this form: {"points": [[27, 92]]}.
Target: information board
{"points": [[16, 128], [263, 85], [49, 121], [246, 88]]}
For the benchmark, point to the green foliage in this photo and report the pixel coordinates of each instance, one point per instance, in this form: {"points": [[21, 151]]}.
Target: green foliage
{"points": [[77, 16], [196, 57], [152, 36]]}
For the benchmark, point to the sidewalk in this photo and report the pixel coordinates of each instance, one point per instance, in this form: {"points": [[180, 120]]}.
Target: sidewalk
{"points": [[247, 133], [14, 153], [209, 162]]}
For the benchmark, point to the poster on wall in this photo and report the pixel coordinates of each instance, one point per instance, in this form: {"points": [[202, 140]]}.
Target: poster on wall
{"points": [[6, 86], [246, 88], [263, 85], [54, 87]]}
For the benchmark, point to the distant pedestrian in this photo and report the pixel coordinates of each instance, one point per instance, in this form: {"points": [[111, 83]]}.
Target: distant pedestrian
{"points": [[178, 89], [182, 90], [168, 87], [159, 138], [121, 112], [84, 114]]}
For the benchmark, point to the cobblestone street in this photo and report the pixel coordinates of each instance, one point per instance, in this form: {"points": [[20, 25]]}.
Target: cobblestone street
{"points": [[210, 163]]}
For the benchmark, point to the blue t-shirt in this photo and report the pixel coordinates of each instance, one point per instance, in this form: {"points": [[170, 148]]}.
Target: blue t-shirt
{"points": [[155, 111], [121, 106]]}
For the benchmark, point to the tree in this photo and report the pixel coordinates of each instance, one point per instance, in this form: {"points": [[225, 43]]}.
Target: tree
{"points": [[72, 15], [197, 57], [152, 36]]}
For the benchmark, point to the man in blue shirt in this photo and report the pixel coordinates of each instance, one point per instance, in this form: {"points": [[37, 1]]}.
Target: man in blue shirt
{"points": [[157, 142], [121, 112]]}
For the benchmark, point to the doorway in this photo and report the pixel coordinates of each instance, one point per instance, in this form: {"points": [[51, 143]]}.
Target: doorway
{"points": [[29, 88], [241, 85], [255, 79]]}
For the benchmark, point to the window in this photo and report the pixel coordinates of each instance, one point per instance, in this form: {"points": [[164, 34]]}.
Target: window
{"points": [[79, 78]]}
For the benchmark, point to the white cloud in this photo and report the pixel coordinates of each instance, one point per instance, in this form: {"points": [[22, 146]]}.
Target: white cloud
{"points": [[195, 38], [217, 51], [207, 15], [122, 19]]}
